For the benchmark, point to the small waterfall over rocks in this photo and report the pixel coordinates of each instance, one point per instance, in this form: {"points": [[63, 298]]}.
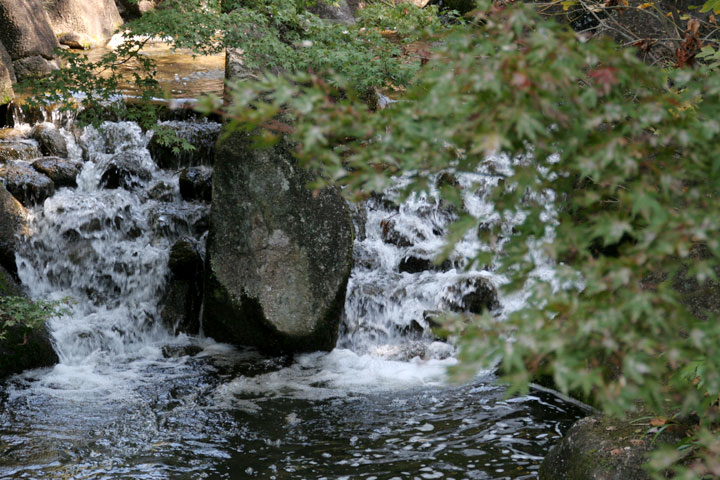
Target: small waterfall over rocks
{"points": [[134, 400]]}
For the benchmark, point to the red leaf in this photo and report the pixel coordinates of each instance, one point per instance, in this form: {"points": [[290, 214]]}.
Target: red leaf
{"points": [[605, 78]]}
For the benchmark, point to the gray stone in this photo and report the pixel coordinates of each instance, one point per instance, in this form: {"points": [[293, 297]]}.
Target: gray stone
{"points": [[62, 172], [51, 141], [13, 222], [89, 20], [601, 448], [279, 254], [196, 183], [22, 347], [25, 183], [26, 30], [35, 66]]}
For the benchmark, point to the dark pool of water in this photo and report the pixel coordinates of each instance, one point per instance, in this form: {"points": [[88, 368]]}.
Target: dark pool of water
{"points": [[173, 424]]}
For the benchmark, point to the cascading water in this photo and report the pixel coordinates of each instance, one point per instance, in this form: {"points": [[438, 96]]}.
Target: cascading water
{"points": [[130, 399]]}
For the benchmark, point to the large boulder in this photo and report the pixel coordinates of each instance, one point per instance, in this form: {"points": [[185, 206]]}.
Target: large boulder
{"points": [[27, 36], [21, 347], [26, 184], [279, 254], [602, 448], [130, 10], [94, 20], [7, 76], [13, 222]]}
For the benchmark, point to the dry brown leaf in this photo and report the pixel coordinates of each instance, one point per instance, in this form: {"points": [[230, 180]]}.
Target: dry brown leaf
{"points": [[658, 421]]}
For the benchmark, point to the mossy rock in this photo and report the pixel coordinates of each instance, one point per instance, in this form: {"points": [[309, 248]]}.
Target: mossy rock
{"points": [[22, 347], [604, 448]]}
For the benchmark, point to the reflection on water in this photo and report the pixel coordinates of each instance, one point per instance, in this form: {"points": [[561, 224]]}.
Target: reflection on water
{"points": [[180, 73]]}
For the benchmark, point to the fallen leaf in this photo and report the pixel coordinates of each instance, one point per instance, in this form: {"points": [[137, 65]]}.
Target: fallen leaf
{"points": [[658, 421], [616, 451]]}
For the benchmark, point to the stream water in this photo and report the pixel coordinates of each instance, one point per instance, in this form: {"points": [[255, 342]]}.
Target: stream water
{"points": [[132, 399]]}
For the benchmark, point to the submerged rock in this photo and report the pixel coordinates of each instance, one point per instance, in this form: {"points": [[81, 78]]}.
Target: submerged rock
{"points": [[26, 184], [603, 448], [62, 172], [196, 183], [13, 222], [279, 255]]}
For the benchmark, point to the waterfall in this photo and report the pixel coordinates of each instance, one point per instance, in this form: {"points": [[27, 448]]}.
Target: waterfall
{"points": [[132, 399]]}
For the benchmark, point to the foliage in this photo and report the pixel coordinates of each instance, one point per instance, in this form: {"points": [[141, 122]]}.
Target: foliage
{"points": [[405, 19], [22, 312], [281, 36], [615, 172]]}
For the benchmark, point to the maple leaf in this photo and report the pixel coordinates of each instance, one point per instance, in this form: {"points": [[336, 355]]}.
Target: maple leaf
{"points": [[605, 78]]}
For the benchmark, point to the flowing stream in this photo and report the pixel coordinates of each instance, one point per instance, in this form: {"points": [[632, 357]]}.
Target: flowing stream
{"points": [[132, 399]]}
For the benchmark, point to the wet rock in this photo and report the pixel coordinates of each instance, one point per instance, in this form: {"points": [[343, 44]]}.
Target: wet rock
{"points": [[185, 260], [177, 351], [603, 448], [201, 135], [51, 141], [162, 191], [13, 222], [26, 184], [412, 264], [168, 219], [196, 183], [391, 235], [35, 66], [279, 256], [477, 295], [17, 150], [62, 172], [90, 22], [125, 170], [181, 306], [22, 347]]}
